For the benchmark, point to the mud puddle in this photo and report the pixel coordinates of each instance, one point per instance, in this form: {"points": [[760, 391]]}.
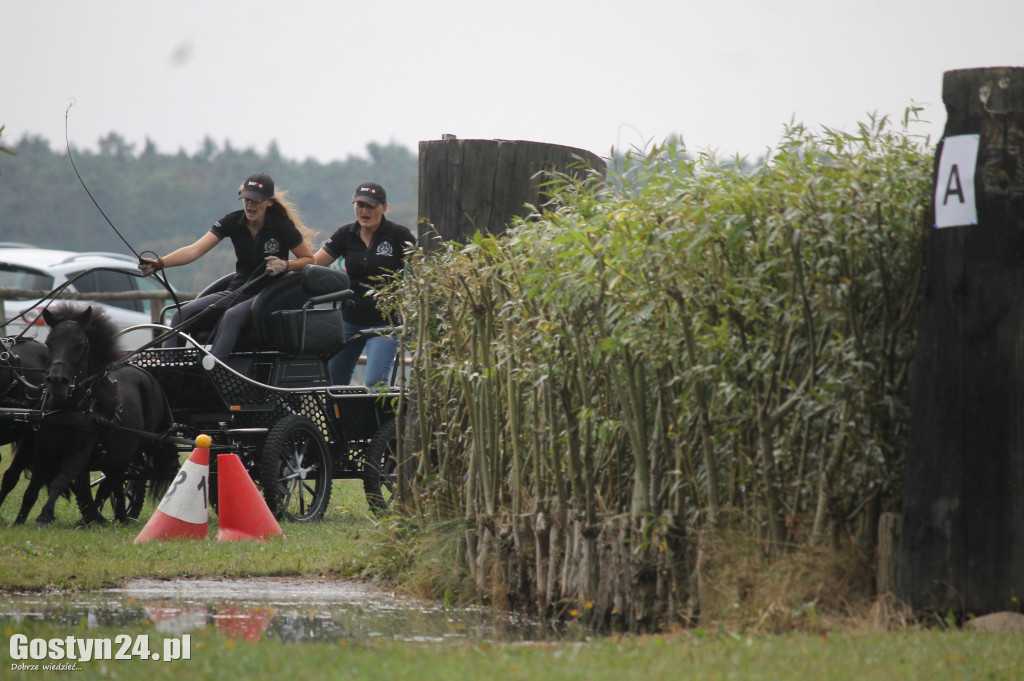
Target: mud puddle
{"points": [[283, 609]]}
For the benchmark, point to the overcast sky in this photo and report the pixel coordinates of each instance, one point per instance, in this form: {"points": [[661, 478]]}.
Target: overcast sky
{"points": [[325, 77]]}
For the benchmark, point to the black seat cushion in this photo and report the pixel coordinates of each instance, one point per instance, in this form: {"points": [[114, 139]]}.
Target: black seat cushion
{"points": [[319, 281], [283, 293], [279, 322]]}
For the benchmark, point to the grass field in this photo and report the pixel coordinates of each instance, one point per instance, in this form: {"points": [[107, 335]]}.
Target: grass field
{"points": [[907, 656], [64, 556], [345, 544]]}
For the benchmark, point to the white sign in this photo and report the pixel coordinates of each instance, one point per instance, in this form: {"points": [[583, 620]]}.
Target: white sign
{"points": [[954, 185]]}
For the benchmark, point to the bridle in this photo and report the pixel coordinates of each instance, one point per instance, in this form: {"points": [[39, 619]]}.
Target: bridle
{"points": [[12, 362], [76, 372]]}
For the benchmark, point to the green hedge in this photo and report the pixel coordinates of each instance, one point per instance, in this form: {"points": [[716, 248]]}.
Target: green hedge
{"points": [[683, 337]]}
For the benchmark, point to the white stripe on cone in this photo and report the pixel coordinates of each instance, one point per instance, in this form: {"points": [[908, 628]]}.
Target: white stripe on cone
{"points": [[183, 510], [180, 501]]}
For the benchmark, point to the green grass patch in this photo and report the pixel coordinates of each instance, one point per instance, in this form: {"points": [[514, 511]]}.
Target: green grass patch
{"points": [[911, 655], [350, 542], [65, 556]]}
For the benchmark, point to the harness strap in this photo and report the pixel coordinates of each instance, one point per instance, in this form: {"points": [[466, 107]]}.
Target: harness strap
{"points": [[13, 362], [166, 436]]}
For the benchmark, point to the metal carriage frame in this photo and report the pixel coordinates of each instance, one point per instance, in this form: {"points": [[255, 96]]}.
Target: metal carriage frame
{"points": [[294, 432]]}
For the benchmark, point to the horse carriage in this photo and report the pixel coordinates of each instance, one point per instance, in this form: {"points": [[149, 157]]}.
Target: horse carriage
{"points": [[271, 403]]}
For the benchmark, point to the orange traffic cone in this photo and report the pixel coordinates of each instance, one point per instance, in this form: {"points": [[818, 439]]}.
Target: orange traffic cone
{"points": [[243, 512], [182, 512]]}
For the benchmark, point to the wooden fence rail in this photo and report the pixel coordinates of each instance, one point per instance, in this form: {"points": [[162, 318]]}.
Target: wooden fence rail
{"points": [[159, 298]]}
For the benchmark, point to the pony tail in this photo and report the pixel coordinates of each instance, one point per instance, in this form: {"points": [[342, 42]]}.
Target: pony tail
{"points": [[161, 459]]}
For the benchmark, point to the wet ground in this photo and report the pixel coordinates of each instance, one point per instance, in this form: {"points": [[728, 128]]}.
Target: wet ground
{"points": [[285, 609]]}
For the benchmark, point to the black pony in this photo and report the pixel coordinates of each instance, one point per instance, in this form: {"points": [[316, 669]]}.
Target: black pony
{"points": [[22, 365], [93, 417]]}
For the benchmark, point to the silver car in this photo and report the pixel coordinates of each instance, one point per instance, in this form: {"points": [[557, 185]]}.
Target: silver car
{"points": [[42, 269]]}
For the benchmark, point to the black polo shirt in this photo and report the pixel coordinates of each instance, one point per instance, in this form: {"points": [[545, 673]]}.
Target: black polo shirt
{"points": [[277, 237], [367, 264]]}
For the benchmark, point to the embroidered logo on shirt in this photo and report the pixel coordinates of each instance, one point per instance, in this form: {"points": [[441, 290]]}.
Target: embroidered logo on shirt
{"points": [[271, 246], [384, 248]]}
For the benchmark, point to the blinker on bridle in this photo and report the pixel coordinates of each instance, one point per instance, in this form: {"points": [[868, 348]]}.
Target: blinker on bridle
{"points": [[72, 370]]}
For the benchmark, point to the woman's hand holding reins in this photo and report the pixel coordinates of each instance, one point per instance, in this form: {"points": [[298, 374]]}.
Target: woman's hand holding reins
{"points": [[148, 266], [275, 265]]}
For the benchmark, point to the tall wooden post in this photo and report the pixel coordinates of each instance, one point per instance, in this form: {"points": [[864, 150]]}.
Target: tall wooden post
{"points": [[471, 185], [962, 542]]}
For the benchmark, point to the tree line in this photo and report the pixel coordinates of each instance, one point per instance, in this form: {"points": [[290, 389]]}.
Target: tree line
{"points": [[160, 201]]}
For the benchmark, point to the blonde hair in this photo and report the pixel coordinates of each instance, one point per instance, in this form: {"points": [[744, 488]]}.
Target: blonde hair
{"points": [[290, 211]]}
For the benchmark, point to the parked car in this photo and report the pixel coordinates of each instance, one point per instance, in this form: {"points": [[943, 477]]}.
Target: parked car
{"points": [[42, 269]]}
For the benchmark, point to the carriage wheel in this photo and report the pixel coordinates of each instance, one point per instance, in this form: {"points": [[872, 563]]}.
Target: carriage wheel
{"points": [[134, 491], [295, 471], [134, 497], [380, 468]]}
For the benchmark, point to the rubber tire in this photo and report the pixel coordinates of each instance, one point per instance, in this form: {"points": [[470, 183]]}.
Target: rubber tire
{"points": [[380, 468], [134, 492], [135, 497], [295, 443]]}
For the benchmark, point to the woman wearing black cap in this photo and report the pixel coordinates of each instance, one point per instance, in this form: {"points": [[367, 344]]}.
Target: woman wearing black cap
{"points": [[262, 233], [373, 248]]}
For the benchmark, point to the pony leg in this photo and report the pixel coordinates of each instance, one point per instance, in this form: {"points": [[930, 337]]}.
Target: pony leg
{"points": [[104, 492], [83, 496], [28, 500], [117, 500], [73, 469], [13, 472], [112, 488], [46, 513]]}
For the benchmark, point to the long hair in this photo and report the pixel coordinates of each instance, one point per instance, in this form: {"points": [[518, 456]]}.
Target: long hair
{"points": [[282, 205], [292, 212]]}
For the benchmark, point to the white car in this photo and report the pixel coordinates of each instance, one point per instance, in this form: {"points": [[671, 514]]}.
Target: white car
{"points": [[42, 269]]}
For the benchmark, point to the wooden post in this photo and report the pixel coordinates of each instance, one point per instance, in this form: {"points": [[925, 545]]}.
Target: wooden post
{"points": [[886, 575], [471, 185], [962, 546]]}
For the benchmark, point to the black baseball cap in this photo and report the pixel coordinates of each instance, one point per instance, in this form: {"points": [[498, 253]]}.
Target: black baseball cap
{"points": [[258, 186], [371, 193]]}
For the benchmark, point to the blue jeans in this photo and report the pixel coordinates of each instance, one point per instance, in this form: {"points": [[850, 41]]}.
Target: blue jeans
{"points": [[380, 355]]}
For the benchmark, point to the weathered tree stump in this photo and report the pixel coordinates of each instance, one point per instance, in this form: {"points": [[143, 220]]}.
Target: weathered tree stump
{"points": [[962, 546], [467, 186]]}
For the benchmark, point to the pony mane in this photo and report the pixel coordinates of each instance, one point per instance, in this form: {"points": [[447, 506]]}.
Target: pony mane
{"points": [[101, 330]]}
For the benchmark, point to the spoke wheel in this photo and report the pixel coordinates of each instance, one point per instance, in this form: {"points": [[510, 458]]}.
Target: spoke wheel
{"points": [[134, 497], [133, 490], [380, 468], [295, 472]]}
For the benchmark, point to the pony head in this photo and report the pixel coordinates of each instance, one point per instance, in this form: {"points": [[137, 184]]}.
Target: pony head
{"points": [[81, 342]]}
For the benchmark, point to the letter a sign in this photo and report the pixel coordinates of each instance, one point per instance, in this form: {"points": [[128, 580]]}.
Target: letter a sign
{"points": [[954, 185]]}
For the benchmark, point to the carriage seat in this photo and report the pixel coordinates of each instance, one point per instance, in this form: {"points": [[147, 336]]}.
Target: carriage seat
{"points": [[281, 317], [284, 317]]}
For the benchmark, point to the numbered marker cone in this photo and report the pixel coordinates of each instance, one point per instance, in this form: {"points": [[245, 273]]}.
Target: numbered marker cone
{"points": [[243, 512], [182, 512]]}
